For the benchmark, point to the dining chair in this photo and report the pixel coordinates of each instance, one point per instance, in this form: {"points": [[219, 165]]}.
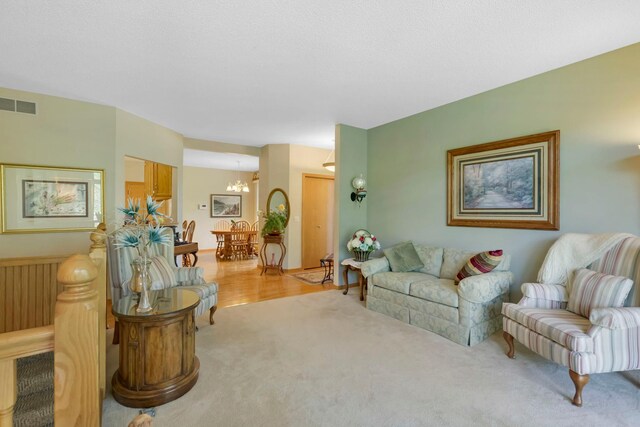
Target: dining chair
{"points": [[239, 244], [187, 236], [241, 226], [221, 225], [190, 229], [252, 244], [184, 230]]}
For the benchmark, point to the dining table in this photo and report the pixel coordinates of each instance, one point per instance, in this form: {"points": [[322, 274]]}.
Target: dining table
{"points": [[227, 251]]}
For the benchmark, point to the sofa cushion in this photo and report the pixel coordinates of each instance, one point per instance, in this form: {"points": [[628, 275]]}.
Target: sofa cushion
{"points": [[453, 260], [481, 263], [399, 282], [431, 258], [403, 257], [442, 291], [205, 290], [561, 326], [590, 289]]}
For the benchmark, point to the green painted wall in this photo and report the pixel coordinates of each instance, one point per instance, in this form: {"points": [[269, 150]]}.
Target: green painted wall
{"points": [[595, 104], [351, 161]]}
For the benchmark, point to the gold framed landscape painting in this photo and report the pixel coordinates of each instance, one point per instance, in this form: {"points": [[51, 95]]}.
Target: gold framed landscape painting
{"points": [[38, 199], [512, 183]]}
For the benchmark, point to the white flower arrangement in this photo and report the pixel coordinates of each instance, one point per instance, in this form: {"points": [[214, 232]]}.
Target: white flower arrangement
{"points": [[363, 241]]}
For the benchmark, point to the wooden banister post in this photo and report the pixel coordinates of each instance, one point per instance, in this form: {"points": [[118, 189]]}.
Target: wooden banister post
{"points": [[7, 391], [76, 349], [98, 253]]}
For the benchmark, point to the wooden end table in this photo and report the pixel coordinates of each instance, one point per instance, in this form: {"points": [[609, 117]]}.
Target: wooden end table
{"points": [[157, 349], [327, 266], [350, 264]]}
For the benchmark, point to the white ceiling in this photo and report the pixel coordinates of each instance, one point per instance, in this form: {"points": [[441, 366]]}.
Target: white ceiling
{"points": [[228, 161], [285, 71]]}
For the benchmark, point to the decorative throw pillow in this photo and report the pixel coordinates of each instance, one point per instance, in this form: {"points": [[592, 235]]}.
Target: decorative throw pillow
{"points": [[591, 289], [403, 257], [161, 272], [481, 263], [431, 258]]}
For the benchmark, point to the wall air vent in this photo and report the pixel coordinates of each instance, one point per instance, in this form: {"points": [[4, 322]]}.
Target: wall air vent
{"points": [[7, 104], [26, 107]]}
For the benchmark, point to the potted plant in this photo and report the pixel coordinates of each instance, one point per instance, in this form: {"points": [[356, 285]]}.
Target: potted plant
{"points": [[361, 244], [274, 221]]}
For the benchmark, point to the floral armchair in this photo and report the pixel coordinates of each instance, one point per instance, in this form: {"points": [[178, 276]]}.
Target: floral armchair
{"points": [[554, 321]]}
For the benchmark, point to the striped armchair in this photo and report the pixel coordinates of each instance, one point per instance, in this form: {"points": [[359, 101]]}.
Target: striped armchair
{"points": [[192, 278], [606, 338]]}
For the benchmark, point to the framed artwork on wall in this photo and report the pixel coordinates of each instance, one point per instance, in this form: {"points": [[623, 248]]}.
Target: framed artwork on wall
{"points": [[226, 206], [37, 199], [512, 183]]}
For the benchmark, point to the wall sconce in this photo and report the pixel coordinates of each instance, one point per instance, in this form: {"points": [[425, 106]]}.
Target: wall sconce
{"points": [[358, 184]]}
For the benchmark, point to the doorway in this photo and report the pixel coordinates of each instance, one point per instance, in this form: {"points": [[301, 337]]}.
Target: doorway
{"points": [[317, 218]]}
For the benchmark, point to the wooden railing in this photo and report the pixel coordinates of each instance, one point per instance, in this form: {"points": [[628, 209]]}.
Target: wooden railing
{"points": [[77, 338]]}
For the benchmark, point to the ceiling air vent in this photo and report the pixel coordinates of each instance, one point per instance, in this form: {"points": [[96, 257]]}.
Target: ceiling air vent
{"points": [[7, 104]]}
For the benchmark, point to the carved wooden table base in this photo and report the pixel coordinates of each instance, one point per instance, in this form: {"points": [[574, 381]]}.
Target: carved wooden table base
{"points": [[157, 350]]}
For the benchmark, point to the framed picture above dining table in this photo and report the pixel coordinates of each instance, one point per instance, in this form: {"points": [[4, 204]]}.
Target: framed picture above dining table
{"points": [[226, 206]]}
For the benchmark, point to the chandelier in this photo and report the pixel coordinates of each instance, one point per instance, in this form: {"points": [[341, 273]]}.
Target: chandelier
{"points": [[238, 186], [330, 162]]}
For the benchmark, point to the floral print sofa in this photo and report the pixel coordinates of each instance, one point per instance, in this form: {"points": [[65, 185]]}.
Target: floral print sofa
{"points": [[466, 313]]}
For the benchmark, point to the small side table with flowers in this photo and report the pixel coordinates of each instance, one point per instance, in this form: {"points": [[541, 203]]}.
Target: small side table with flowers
{"points": [[361, 244], [350, 264]]}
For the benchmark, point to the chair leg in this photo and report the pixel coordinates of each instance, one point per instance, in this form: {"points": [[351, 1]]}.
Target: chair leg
{"points": [[579, 381], [211, 311], [509, 339]]}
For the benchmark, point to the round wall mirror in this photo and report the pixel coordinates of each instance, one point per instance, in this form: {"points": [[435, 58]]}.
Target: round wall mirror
{"points": [[276, 198]]}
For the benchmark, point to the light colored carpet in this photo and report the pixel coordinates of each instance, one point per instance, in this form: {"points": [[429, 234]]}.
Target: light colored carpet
{"points": [[324, 360]]}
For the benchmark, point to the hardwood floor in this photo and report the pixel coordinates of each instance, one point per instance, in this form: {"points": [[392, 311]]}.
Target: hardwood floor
{"points": [[239, 282]]}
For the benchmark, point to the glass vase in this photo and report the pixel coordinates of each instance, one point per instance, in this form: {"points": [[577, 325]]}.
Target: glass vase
{"points": [[141, 283]]}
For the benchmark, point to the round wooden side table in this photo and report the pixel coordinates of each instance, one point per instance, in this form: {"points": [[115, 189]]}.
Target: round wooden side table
{"points": [[157, 349]]}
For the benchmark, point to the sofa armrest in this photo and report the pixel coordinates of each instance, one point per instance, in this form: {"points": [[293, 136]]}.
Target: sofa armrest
{"points": [[189, 276], [546, 292], [616, 318], [373, 266], [485, 287]]}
